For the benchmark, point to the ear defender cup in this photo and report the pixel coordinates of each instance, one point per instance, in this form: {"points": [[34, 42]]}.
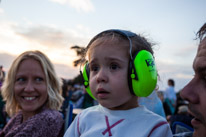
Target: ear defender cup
{"points": [[142, 77], [85, 76]]}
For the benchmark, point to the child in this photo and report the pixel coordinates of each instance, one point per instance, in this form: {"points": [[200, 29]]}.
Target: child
{"points": [[111, 76]]}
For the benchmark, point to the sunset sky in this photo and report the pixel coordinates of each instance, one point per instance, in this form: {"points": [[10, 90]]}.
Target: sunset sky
{"points": [[53, 26]]}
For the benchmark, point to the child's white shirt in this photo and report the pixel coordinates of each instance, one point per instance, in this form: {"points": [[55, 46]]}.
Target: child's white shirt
{"points": [[98, 121]]}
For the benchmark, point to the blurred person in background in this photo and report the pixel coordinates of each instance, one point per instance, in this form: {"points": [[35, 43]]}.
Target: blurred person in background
{"points": [[2, 75], [170, 95], [153, 103]]}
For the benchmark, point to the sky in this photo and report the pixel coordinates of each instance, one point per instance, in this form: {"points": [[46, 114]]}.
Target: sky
{"points": [[53, 26]]}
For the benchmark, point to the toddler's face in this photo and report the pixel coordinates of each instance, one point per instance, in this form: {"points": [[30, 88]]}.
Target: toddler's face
{"points": [[108, 65]]}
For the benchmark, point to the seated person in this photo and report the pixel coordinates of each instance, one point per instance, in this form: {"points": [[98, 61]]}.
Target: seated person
{"points": [[181, 116], [32, 93]]}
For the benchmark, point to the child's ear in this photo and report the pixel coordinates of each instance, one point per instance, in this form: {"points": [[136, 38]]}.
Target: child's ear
{"points": [[142, 77], [85, 77]]}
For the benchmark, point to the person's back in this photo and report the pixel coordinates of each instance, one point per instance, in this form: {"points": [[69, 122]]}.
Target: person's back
{"points": [[170, 96], [170, 91]]}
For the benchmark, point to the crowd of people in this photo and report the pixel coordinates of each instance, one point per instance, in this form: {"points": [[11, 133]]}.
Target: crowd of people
{"points": [[116, 99]]}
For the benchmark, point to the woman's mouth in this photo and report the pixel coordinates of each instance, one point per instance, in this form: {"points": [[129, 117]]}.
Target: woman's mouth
{"points": [[29, 98]]}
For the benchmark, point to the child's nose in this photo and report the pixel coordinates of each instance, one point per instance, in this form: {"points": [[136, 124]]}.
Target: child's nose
{"points": [[102, 76]]}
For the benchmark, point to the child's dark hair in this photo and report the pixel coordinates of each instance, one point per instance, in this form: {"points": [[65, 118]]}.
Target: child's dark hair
{"points": [[139, 42]]}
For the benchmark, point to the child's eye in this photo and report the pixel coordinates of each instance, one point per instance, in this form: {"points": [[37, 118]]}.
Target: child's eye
{"points": [[114, 66], [94, 68]]}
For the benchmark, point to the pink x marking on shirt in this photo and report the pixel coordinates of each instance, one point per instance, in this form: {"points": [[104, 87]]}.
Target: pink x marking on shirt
{"points": [[110, 127]]}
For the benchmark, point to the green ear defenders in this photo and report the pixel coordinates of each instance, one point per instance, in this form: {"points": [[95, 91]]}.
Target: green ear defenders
{"points": [[85, 76], [142, 75]]}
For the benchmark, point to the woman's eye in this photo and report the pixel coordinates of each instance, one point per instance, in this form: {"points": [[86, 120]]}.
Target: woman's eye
{"points": [[20, 79], [39, 79]]}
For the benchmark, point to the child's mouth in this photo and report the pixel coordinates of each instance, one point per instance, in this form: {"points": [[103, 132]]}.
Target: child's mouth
{"points": [[102, 94]]}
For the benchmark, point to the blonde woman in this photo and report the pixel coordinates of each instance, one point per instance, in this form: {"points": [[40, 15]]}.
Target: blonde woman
{"points": [[32, 92]]}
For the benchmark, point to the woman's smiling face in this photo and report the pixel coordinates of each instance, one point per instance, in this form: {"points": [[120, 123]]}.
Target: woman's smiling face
{"points": [[30, 87]]}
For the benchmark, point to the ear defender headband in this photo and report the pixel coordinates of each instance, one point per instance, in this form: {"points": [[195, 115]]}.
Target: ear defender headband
{"points": [[142, 75]]}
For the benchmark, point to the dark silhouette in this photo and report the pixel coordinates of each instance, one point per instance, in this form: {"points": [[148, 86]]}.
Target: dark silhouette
{"points": [[80, 53]]}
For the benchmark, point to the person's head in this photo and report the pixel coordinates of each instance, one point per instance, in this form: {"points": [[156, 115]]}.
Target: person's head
{"points": [[195, 91], [109, 61], [31, 83], [171, 82], [183, 109]]}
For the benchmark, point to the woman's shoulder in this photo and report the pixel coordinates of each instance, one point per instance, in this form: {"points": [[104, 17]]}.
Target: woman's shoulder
{"points": [[50, 114], [46, 117], [51, 119]]}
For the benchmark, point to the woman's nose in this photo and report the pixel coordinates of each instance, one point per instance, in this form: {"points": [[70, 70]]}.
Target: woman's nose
{"points": [[29, 86]]}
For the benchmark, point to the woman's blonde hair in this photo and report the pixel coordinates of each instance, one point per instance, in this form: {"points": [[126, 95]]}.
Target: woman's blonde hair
{"points": [[54, 84]]}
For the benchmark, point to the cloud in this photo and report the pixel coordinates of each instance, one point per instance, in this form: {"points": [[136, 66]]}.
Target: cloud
{"points": [[1, 11], [181, 73], [53, 41], [184, 76], [79, 5], [65, 71], [174, 68], [44, 35], [50, 36], [6, 60], [62, 70], [9, 40], [189, 50]]}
